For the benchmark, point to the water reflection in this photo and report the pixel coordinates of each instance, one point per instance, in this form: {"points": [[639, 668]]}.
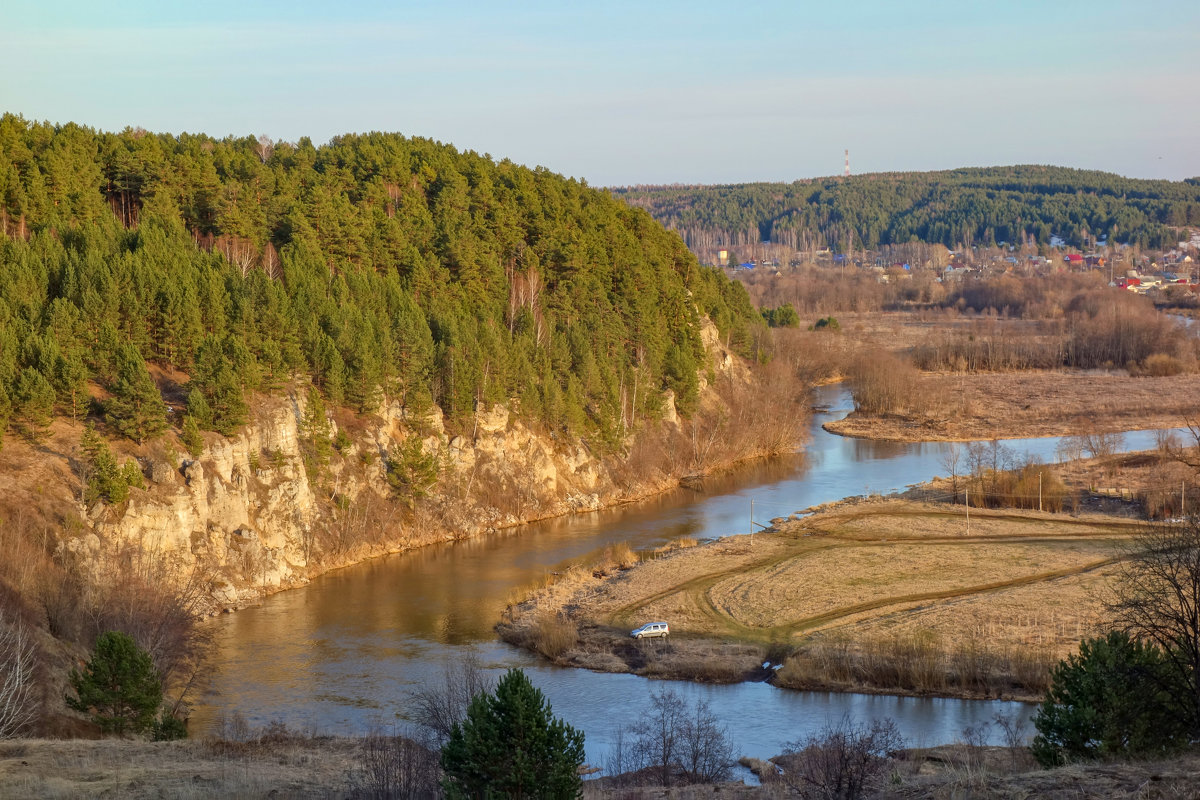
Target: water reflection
{"points": [[346, 650]]}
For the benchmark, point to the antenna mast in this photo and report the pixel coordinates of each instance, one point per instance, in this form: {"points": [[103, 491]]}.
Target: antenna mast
{"points": [[847, 163]]}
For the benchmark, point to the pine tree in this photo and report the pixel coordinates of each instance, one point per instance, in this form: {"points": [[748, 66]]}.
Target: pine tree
{"points": [[35, 403], [119, 686], [511, 746], [136, 408], [192, 439], [103, 478]]}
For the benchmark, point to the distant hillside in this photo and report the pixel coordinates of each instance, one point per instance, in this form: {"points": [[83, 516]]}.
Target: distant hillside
{"points": [[379, 265], [954, 208]]}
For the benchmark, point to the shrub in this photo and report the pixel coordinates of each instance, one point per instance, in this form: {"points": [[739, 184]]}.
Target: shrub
{"points": [[842, 762], [392, 766], [1160, 365]]}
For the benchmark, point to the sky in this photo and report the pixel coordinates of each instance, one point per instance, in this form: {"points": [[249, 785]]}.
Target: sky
{"points": [[648, 92]]}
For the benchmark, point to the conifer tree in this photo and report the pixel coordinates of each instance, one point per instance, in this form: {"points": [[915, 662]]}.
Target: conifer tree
{"points": [[510, 745], [119, 686], [192, 439], [34, 403], [136, 408]]}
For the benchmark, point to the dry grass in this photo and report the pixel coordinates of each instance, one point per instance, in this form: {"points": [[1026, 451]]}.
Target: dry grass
{"points": [[298, 768], [324, 767], [921, 665], [892, 590], [555, 634], [788, 593], [1036, 403]]}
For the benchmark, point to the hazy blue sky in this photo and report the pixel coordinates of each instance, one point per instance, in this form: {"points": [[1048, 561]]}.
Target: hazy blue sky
{"points": [[639, 92]]}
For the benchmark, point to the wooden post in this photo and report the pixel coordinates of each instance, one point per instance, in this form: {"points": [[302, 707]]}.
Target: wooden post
{"points": [[1039, 491], [968, 511]]}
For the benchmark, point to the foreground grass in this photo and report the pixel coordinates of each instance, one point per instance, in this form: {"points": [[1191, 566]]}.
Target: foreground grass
{"points": [[330, 767], [879, 596], [296, 767]]}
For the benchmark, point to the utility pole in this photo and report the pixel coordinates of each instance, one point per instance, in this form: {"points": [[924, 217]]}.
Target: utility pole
{"points": [[968, 511], [1039, 491], [751, 521]]}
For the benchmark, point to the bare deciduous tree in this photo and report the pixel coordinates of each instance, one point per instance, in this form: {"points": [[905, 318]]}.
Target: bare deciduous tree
{"points": [[265, 148], [952, 462], [1157, 597], [673, 744], [18, 696], [395, 767], [439, 707], [841, 762]]}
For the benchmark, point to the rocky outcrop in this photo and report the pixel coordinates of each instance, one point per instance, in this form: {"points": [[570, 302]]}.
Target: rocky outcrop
{"points": [[268, 510]]}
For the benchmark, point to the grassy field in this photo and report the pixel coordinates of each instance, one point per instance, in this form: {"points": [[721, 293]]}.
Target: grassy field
{"points": [[862, 580]]}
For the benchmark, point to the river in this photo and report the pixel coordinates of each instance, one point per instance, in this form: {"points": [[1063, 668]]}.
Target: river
{"points": [[343, 654]]}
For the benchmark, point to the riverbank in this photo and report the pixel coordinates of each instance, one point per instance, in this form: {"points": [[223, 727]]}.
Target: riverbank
{"points": [[1028, 404], [871, 595]]}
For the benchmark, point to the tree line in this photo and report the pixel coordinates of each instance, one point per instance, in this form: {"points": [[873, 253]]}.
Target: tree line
{"points": [[380, 266], [957, 208]]}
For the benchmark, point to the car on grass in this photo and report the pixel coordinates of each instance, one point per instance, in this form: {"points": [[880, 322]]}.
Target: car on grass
{"points": [[651, 630]]}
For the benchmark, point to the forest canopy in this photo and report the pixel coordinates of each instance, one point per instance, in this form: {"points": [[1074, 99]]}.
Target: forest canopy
{"points": [[378, 265], [956, 208]]}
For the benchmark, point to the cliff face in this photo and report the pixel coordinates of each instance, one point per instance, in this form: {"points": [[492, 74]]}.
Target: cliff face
{"points": [[250, 515], [261, 512]]}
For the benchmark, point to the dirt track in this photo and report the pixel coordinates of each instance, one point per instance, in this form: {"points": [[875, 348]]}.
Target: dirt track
{"points": [[857, 572]]}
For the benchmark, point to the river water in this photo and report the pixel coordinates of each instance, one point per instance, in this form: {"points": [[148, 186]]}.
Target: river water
{"points": [[343, 654]]}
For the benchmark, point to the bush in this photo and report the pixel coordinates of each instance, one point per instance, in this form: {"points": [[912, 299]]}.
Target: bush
{"points": [[510, 745], [1159, 365], [168, 728], [392, 767], [1109, 700], [439, 707], [842, 762]]}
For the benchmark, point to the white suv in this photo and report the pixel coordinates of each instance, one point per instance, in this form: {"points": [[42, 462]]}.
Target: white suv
{"points": [[651, 629]]}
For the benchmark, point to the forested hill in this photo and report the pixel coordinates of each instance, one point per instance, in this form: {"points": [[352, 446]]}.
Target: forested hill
{"points": [[954, 208], [376, 264]]}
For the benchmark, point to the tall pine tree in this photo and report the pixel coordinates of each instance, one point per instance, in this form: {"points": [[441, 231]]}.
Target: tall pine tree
{"points": [[136, 409]]}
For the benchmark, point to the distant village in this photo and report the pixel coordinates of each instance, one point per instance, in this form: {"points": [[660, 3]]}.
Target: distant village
{"points": [[1175, 270]]}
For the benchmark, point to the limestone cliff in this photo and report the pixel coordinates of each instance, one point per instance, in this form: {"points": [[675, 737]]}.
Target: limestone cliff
{"points": [[258, 512]]}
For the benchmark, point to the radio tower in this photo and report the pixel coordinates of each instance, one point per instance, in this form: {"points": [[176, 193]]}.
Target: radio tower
{"points": [[847, 163]]}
